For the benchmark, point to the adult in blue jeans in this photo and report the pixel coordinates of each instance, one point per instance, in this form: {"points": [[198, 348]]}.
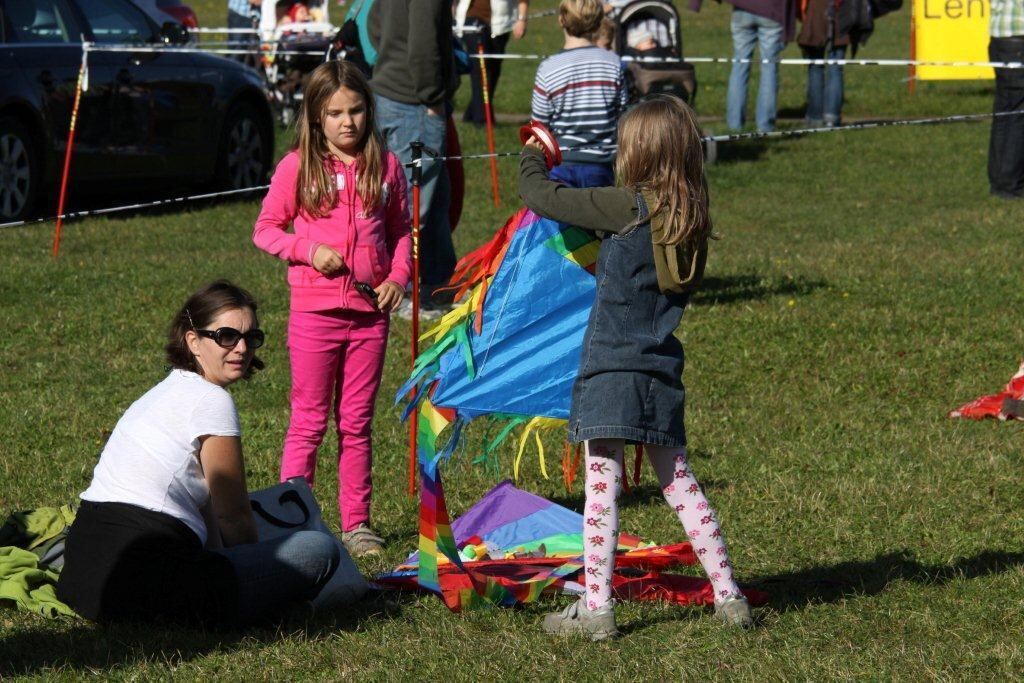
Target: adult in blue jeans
{"points": [[414, 80], [822, 36], [769, 25], [165, 532]]}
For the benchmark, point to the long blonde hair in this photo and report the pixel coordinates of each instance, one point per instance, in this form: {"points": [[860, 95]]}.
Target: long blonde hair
{"points": [[660, 151], [316, 191]]}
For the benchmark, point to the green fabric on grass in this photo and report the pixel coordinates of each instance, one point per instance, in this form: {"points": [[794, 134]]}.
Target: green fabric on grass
{"points": [[30, 588]]}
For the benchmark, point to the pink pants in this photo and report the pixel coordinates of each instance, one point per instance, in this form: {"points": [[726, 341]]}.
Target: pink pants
{"points": [[337, 357]]}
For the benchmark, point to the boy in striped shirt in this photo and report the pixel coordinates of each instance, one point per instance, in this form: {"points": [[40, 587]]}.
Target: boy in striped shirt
{"points": [[579, 94]]}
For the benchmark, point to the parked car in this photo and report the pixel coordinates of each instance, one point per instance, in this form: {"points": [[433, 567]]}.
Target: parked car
{"points": [[171, 117], [169, 10]]}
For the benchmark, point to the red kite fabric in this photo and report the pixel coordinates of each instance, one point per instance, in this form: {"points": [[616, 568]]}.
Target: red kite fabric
{"points": [[995, 404]]}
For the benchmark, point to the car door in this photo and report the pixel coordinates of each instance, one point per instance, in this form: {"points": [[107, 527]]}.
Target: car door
{"points": [[157, 106], [45, 41]]}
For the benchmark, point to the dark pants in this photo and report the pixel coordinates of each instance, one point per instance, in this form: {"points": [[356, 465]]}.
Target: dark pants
{"points": [[492, 46], [1006, 146], [242, 41], [582, 175]]}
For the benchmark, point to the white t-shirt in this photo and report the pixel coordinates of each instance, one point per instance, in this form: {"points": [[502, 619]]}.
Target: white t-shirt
{"points": [[152, 457]]}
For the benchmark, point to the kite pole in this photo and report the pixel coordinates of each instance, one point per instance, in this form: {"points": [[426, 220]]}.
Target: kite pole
{"points": [[67, 152], [417, 175], [489, 118]]}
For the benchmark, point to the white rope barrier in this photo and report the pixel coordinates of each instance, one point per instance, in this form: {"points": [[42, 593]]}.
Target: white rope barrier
{"points": [[796, 132], [866, 125], [794, 61], [135, 207]]}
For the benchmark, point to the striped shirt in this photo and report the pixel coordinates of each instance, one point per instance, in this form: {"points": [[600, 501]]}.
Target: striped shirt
{"points": [[579, 94], [1007, 18]]}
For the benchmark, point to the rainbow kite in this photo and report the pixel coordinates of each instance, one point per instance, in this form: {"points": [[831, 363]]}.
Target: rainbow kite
{"points": [[514, 545], [510, 351]]}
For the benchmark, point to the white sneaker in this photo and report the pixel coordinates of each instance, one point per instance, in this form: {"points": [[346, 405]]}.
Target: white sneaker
{"points": [[734, 611], [597, 624]]}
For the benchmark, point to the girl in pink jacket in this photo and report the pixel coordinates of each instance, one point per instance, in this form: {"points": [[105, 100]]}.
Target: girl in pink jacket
{"points": [[349, 261]]}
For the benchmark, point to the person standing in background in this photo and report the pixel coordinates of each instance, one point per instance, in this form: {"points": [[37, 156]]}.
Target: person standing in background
{"points": [[414, 80], [240, 16], [579, 93], [489, 23], [821, 38], [770, 24], [1006, 146]]}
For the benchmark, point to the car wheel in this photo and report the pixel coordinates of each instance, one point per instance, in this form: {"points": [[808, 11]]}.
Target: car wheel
{"points": [[244, 150], [19, 170]]}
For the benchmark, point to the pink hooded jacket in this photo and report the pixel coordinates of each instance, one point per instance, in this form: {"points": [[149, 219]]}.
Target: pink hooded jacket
{"points": [[375, 247]]}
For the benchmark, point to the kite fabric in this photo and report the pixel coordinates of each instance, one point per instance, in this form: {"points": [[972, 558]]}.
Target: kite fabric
{"points": [[511, 351], [511, 539], [995, 405]]}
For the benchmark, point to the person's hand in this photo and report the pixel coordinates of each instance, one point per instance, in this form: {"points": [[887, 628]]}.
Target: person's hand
{"points": [[608, 8], [327, 261], [534, 143], [519, 29], [255, 3], [436, 110], [389, 295]]}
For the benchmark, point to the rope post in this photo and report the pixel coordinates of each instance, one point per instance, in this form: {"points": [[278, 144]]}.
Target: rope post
{"points": [[912, 80], [489, 118], [417, 178], [67, 152]]}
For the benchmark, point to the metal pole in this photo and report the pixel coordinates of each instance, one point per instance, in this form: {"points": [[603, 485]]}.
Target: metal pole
{"points": [[67, 152], [417, 177], [489, 118]]}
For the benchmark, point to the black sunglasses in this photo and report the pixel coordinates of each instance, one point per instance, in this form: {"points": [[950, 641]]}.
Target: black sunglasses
{"points": [[228, 337]]}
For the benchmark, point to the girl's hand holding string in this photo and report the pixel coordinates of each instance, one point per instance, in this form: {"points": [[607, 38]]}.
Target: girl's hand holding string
{"points": [[327, 261], [389, 295]]}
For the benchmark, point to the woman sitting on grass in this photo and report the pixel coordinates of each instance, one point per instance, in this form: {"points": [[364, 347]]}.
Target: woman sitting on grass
{"points": [[165, 530]]}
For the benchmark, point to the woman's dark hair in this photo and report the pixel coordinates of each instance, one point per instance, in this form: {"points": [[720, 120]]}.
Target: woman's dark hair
{"points": [[198, 312]]}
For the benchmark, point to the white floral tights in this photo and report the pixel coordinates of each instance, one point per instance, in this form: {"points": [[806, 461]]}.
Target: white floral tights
{"points": [[683, 494]]}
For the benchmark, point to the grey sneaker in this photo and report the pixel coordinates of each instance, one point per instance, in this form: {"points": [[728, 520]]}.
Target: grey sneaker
{"points": [[734, 611], [362, 541], [598, 624]]}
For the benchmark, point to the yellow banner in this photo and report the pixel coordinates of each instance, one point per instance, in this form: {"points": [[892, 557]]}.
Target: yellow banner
{"points": [[952, 31]]}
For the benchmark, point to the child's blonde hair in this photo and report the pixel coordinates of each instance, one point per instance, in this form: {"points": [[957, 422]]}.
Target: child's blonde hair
{"points": [[604, 36], [316, 189], [580, 18], [660, 151]]}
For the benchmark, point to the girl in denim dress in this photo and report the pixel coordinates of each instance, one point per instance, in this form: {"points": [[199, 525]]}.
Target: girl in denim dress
{"points": [[629, 388]]}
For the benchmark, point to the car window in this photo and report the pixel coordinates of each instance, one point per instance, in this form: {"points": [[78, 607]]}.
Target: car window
{"points": [[116, 21], [35, 21]]}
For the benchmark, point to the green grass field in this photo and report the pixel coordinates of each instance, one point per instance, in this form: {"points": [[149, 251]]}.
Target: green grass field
{"points": [[865, 284]]}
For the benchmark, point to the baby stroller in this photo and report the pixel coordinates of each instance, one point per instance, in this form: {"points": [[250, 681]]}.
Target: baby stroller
{"points": [[650, 28], [295, 38]]}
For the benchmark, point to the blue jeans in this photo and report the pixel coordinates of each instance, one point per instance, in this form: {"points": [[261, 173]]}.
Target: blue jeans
{"points": [[748, 29], [582, 175], [402, 124], [273, 573], [824, 86], [241, 41]]}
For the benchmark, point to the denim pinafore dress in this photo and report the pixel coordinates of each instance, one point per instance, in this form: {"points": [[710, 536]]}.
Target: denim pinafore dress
{"points": [[630, 382]]}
